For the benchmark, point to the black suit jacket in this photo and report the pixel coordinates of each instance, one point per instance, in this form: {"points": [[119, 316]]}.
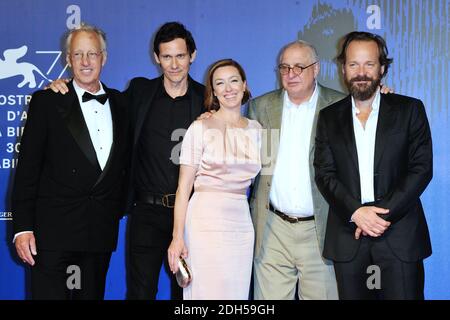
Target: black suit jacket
{"points": [[402, 169], [60, 191], [141, 93]]}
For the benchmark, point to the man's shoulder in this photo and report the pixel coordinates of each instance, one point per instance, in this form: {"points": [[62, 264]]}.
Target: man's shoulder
{"points": [[196, 84], [46, 95], [399, 100], [43, 94], [111, 91], [336, 106], [331, 93], [142, 82], [197, 87], [145, 83], [119, 97], [268, 96]]}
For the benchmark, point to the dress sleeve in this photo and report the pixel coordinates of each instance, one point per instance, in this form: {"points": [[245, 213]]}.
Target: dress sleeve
{"points": [[192, 146]]}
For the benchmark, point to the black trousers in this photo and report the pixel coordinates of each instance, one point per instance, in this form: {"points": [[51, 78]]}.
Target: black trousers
{"points": [[149, 235], [398, 280], [69, 275]]}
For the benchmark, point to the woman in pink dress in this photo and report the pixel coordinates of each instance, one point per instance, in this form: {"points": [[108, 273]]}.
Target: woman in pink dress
{"points": [[219, 157]]}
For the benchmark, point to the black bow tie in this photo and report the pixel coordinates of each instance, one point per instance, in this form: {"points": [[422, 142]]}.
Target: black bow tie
{"points": [[100, 98]]}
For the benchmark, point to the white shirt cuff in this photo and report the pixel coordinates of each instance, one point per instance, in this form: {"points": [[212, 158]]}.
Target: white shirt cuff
{"points": [[19, 233]]}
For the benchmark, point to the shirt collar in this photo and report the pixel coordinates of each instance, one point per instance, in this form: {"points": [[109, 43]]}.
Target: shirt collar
{"points": [[80, 91], [163, 93], [375, 103], [311, 103]]}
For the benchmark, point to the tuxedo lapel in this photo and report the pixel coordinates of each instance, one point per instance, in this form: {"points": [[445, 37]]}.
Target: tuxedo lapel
{"points": [[70, 111], [144, 107], [346, 122], [386, 121]]}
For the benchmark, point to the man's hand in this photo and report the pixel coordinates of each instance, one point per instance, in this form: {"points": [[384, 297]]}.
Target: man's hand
{"points": [[385, 89], [59, 85], [358, 233], [368, 221], [26, 247], [206, 115]]}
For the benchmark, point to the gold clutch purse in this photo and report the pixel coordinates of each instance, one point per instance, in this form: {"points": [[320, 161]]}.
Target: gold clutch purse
{"points": [[184, 274]]}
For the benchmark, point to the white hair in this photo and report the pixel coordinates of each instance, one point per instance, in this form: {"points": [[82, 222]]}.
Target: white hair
{"points": [[86, 28]]}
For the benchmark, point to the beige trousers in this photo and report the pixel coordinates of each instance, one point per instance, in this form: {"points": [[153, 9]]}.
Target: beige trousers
{"points": [[289, 256]]}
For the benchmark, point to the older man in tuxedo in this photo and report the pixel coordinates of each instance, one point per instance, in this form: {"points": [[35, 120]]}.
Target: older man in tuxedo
{"points": [[69, 186]]}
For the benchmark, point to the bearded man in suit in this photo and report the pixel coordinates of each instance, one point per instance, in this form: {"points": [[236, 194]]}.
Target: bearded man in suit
{"points": [[373, 160]]}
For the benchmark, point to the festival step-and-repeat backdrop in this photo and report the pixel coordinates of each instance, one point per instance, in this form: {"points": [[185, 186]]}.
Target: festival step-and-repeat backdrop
{"points": [[251, 32]]}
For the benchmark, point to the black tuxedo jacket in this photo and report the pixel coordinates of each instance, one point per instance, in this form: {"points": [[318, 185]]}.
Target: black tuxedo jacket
{"points": [[141, 93], [60, 191], [403, 168]]}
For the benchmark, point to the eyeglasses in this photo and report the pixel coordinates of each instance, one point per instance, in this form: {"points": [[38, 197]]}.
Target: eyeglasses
{"points": [[91, 55], [297, 69]]}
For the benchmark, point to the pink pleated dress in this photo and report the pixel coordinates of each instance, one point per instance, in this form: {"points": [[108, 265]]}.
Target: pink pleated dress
{"points": [[219, 232]]}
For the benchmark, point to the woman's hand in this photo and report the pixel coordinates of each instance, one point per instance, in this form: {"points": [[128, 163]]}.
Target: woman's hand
{"points": [[206, 115], [176, 249], [385, 89]]}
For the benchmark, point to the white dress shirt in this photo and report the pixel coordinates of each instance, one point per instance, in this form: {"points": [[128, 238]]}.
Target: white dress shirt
{"points": [[365, 145], [99, 122], [290, 191]]}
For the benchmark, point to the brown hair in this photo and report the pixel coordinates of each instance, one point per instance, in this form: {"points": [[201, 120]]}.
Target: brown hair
{"points": [[171, 31], [366, 36], [211, 101]]}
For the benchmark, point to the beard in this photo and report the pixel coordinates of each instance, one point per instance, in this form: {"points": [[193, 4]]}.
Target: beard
{"points": [[362, 92]]}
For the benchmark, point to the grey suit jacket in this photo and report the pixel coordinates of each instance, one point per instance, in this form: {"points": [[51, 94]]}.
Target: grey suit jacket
{"points": [[267, 110]]}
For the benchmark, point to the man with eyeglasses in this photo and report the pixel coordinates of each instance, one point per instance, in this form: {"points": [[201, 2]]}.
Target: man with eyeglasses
{"points": [[288, 211], [71, 178]]}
